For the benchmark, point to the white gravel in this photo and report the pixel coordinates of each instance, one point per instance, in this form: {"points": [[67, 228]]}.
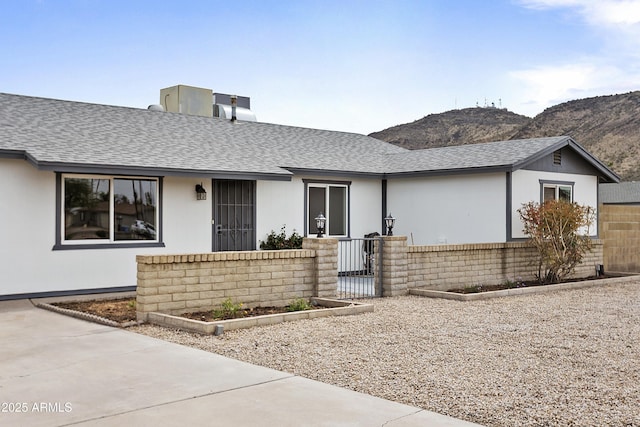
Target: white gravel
{"points": [[567, 358]]}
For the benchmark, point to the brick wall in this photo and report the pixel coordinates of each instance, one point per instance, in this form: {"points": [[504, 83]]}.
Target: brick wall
{"points": [[443, 267], [325, 269], [180, 283], [619, 227], [195, 282]]}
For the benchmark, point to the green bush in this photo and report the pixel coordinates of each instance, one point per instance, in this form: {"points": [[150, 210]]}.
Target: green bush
{"points": [[228, 310], [281, 241], [299, 304]]}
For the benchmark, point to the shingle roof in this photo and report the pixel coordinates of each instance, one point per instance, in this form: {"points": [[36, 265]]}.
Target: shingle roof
{"points": [[74, 136], [621, 193], [500, 154], [72, 133]]}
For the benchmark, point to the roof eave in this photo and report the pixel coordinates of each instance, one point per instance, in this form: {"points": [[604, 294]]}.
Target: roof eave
{"points": [[605, 172], [450, 171], [334, 172], [156, 171], [12, 154]]}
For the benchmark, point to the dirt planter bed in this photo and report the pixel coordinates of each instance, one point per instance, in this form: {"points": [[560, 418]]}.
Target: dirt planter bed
{"points": [[49, 304], [520, 291], [333, 308]]}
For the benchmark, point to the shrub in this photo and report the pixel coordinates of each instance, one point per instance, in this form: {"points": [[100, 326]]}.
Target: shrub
{"points": [[554, 229], [281, 241], [515, 283], [299, 304], [228, 310]]}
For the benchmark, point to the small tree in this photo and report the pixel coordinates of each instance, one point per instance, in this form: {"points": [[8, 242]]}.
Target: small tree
{"points": [[559, 230]]}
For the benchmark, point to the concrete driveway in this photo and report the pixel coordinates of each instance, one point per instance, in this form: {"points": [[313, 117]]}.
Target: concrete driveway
{"points": [[58, 371]]}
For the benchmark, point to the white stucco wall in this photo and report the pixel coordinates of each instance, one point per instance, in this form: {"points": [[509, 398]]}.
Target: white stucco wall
{"points": [[526, 188], [449, 210], [28, 214], [282, 203], [278, 204], [27, 227]]}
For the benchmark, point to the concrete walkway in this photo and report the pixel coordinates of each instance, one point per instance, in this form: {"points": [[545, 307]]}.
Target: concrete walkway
{"points": [[58, 371]]}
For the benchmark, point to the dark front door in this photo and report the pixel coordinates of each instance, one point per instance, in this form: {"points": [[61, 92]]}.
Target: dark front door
{"points": [[234, 214]]}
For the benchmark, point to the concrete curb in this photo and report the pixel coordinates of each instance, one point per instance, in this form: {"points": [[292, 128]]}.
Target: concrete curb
{"points": [[334, 308], [86, 316], [520, 291]]}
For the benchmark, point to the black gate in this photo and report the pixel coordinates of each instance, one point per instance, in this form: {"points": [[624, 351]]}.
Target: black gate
{"points": [[360, 267], [234, 215]]}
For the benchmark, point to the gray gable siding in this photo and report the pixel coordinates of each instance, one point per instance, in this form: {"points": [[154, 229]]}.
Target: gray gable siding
{"points": [[571, 163]]}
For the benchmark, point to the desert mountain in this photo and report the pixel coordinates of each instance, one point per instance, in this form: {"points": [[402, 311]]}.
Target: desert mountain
{"points": [[607, 126]]}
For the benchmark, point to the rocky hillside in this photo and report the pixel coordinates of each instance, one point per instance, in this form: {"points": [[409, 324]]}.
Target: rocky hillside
{"points": [[607, 126], [456, 127]]}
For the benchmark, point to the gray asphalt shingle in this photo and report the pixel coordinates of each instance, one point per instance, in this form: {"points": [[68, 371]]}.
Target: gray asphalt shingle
{"points": [[90, 134], [55, 132]]}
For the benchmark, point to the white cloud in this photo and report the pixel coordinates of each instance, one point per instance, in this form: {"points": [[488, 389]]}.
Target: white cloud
{"points": [[549, 85], [615, 68], [615, 14]]}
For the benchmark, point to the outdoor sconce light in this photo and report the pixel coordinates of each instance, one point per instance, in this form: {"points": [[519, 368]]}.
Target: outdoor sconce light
{"points": [[320, 222], [390, 221], [201, 193]]}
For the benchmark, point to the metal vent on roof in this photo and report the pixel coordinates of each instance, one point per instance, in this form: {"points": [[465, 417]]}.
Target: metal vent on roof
{"points": [[222, 107], [197, 101], [557, 157], [155, 107]]}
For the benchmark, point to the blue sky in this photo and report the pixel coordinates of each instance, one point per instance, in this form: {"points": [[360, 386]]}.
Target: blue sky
{"points": [[356, 66]]}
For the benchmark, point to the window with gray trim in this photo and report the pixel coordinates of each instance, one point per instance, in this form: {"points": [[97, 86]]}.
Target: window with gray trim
{"points": [[551, 190], [332, 200], [108, 209]]}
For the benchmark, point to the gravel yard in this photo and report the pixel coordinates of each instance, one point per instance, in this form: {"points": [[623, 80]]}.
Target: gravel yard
{"points": [[554, 359]]}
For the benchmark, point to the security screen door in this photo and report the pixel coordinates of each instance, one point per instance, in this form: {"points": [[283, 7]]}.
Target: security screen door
{"points": [[234, 215]]}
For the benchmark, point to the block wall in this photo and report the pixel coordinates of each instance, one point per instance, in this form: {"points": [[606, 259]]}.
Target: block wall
{"points": [[177, 284], [444, 267], [619, 227], [182, 283]]}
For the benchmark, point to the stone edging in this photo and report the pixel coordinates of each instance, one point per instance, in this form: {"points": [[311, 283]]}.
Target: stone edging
{"points": [[86, 316], [334, 308], [520, 291]]}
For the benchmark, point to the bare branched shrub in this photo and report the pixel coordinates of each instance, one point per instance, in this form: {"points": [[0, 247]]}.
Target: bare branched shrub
{"points": [[559, 230]]}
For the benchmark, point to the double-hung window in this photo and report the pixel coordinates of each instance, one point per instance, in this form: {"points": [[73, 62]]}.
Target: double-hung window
{"points": [[556, 191], [98, 210], [332, 200]]}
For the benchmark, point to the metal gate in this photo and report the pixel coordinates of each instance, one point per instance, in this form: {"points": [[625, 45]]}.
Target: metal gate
{"points": [[360, 268], [234, 215]]}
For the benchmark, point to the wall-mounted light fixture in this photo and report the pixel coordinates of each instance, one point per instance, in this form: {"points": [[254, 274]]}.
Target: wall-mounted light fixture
{"points": [[201, 193], [390, 221], [320, 222]]}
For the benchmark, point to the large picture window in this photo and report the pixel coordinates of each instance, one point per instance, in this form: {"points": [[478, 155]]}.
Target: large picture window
{"points": [[99, 209], [332, 201]]}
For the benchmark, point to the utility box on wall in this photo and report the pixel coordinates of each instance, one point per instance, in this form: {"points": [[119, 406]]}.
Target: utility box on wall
{"points": [[184, 99]]}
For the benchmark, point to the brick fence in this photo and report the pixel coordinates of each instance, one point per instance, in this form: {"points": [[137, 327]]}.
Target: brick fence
{"points": [[196, 282], [180, 283], [444, 267], [619, 227]]}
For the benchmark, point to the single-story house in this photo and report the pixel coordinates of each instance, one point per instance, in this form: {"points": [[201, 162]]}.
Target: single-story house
{"points": [[619, 225], [85, 187]]}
